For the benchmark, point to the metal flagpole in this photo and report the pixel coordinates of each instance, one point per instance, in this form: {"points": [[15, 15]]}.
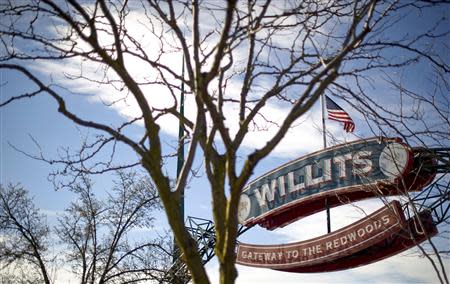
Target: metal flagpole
{"points": [[180, 155], [180, 160], [324, 130]]}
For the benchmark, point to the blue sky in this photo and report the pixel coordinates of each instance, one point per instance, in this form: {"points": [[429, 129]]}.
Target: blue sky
{"points": [[38, 118]]}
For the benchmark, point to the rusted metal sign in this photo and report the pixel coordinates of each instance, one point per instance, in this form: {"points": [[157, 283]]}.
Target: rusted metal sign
{"points": [[418, 229], [341, 174], [347, 172], [344, 242]]}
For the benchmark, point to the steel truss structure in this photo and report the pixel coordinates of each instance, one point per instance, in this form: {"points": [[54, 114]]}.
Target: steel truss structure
{"points": [[434, 198], [203, 231]]}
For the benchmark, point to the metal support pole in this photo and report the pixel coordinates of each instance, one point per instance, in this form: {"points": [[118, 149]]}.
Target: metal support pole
{"points": [[324, 135], [177, 265], [328, 215], [180, 153], [324, 129]]}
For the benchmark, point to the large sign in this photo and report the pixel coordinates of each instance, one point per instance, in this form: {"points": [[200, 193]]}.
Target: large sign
{"points": [[417, 229], [344, 173], [337, 175], [344, 242], [379, 235]]}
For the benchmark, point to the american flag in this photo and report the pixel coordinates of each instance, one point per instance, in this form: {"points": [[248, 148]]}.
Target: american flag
{"points": [[335, 112]]}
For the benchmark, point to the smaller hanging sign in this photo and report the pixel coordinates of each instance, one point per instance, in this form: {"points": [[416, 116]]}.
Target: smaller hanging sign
{"points": [[418, 228], [347, 241]]}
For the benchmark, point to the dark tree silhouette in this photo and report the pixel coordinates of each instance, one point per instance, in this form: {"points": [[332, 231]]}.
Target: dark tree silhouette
{"points": [[241, 60], [93, 237]]}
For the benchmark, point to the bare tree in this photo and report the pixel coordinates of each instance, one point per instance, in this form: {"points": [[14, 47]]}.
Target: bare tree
{"points": [[241, 60], [97, 233], [94, 237], [24, 238]]}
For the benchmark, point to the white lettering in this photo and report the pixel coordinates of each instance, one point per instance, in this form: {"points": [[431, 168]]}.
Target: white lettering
{"points": [[282, 188], [362, 164], [377, 224], [288, 254], [308, 177], [326, 172], [336, 243], [352, 236], [312, 250], [385, 219], [266, 193], [343, 240], [318, 249], [361, 233], [292, 254], [340, 164], [269, 256], [292, 186]]}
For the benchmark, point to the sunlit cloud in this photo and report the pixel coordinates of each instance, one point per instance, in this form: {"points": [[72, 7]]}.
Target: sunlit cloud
{"points": [[102, 86], [399, 269]]}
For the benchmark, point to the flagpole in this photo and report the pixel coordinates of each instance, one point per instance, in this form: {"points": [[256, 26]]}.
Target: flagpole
{"points": [[180, 160], [324, 135], [324, 129]]}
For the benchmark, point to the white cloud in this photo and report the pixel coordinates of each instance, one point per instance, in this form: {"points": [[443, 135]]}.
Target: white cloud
{"points": [[398, 269], [51, 213], [302, 138]]}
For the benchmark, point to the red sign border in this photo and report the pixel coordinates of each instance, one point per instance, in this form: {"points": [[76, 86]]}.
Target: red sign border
{"points": [[386, 233], [397, 243]]}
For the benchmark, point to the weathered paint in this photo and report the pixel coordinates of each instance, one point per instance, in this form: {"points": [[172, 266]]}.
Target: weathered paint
{"points": [[298, 189], [410, 235], [347, 241]]}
